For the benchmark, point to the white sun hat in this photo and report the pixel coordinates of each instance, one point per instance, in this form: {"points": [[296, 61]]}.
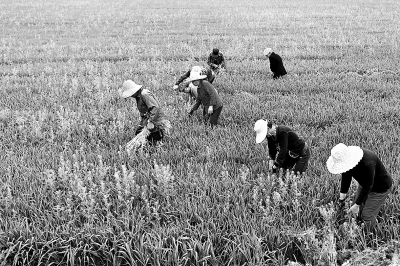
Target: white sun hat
{"points": [[261, 129], [196, 69], [343, 158], [129, 88], [196, 76], [267, 51]]}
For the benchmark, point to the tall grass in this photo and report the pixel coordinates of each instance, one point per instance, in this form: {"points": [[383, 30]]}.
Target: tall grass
{"points": [[70, 194]]}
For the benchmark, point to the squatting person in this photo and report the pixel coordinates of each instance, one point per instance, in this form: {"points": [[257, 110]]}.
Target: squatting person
{"points": [[374, 182], [216, 60], [208, 97], [151, 115], [275, 63], [286, 149]]}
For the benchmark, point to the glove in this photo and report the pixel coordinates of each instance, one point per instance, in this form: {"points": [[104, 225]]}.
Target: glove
{"points": [[210, 110], [150, 125], [175, 87], [270, 164]]}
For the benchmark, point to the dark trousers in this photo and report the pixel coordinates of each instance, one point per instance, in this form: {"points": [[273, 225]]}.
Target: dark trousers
{"points": [[370, 208], [213, 118], [155, 135], [299, 164]]}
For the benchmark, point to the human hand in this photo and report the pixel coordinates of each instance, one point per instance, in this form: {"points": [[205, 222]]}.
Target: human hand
{"points": [[210, 110], [150, 125], [270, 164], [175, 87], [354, 210]]}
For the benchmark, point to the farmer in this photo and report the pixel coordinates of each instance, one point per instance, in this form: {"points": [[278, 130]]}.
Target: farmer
{"points": [[216, 61], [208, 97], [151, 115], [275, 62], [374, 182], [286, 149], [183, 84]]}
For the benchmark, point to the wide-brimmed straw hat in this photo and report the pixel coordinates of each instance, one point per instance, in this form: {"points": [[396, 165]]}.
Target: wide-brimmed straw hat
{"points": [[129, 88], [267, 51], [196, 69], [196, 76], [261, 129], [343, 158]]}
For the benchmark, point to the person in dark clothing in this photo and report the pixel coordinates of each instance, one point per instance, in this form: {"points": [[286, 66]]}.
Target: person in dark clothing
{"points": [[151, 115], [216, 61], [276, 63], [286, 149], [368, 170], [208, 97]]}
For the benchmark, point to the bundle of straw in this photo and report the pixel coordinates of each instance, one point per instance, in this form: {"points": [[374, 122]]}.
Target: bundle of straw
{"points": [[138, 141]]}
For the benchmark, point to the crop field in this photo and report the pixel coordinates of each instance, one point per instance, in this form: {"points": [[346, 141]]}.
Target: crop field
{"points": [[71, 195]]}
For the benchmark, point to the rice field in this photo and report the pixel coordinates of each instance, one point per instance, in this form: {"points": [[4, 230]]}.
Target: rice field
{"points": [[71, 195]]}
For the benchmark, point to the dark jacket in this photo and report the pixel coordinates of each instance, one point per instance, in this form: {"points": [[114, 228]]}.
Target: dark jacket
{"points": [[149, 108], [276, 65], [284, 141], [204, 71], [216, 59], [370, 174], [207, 96]]}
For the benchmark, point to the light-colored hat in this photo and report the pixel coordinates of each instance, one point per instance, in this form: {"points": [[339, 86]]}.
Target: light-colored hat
{"points": [[267, 51], [129, 88], [196, 69], [261, 129], [343, 158], [196, 76]]}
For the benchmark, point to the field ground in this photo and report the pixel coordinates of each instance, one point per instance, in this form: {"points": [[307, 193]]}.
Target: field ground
{"points": [[69, 193]]}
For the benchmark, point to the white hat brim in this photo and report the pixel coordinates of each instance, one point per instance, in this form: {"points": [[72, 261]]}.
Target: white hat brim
{"points": [[352, 157], [129, 92], [197, 78], [261, 135]]}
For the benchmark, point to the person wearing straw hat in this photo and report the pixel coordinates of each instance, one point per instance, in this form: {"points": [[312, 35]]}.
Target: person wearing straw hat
{"points": [[184, 85], [216, 61], [368, 170], [208, 97], [275, 63], [286, 149], [151, 115]]}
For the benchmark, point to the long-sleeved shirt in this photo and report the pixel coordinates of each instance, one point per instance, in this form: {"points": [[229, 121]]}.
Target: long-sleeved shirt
{"points": [[370, 174], [204, 71], [149, 107], [284, 141], [218, 60], [276, 65], [207, 95]]}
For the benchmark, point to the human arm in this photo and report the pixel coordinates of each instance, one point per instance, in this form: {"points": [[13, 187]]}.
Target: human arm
{"points": [[183, 77], [368, 178], [210, 90], [282, 139]]}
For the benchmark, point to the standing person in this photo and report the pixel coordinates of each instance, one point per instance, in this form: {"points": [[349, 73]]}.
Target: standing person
{"points": [[208, 97], [374, 182], [275, 62], [216, 61], [151, 115], [286, 149]]}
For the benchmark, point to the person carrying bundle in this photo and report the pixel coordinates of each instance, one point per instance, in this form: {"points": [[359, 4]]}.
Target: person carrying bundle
{"points": [[286, 149], [153, 126]]}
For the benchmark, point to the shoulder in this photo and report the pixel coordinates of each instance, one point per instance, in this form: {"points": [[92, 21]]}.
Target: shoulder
{"points": [[145, 92], [369, 157]]}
